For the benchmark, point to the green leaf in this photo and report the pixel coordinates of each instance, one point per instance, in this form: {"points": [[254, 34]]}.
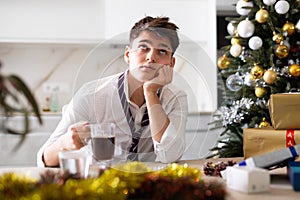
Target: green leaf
{"points": [[12, 88], [21, 87]]}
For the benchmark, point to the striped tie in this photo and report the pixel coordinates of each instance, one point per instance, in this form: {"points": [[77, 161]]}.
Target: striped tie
{"points": [[136, 134]]}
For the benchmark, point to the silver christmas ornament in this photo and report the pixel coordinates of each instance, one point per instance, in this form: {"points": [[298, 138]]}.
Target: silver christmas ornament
{"points": [[234, 82]]}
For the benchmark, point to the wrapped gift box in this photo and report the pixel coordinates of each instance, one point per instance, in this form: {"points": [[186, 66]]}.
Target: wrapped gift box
{"points": [[258, 141], [285, 110]]}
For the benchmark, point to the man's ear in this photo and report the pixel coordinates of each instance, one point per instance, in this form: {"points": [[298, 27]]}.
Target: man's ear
{"points": [[126, 54], [172, 64]]}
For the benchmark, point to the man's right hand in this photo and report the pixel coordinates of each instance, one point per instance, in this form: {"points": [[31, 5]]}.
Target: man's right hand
{"points": [[76, 136]]}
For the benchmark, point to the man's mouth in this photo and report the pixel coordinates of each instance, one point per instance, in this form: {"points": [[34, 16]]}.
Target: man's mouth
{"points": [[151, 66]]}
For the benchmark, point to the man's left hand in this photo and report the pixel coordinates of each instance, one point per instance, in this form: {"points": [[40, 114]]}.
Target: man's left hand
{"points": [[164, 77]]}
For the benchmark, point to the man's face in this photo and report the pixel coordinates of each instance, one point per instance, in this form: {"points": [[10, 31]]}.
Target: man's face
{"points": [[147, 54]]}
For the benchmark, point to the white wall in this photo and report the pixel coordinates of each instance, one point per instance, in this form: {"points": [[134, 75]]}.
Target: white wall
{"points": [[51, 20], [226, 5]]}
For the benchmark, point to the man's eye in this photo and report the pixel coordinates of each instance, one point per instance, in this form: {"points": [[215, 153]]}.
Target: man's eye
{"points": [[163, 51], [143, 47]]}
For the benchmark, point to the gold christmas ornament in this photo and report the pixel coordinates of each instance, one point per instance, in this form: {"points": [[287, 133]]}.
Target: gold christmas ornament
{"points": [[223, 62], [289, 28], [235, 40], [270, 76], [281, 51], [264, 123], [256, 72], [277, 38], [261, 16], [294, 70], [260, 91]]}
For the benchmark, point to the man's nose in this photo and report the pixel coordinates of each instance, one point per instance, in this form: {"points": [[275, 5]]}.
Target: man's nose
{"points": [[151, 56]]}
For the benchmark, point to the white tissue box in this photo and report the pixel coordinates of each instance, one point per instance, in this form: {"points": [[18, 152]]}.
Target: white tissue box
{"points": [[248, 179]]}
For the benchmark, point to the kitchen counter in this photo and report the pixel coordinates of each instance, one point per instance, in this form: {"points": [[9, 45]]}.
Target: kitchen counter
{"points": [[199, 139], [15, 154]]}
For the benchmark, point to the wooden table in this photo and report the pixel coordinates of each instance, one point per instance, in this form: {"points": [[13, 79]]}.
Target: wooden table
{"points": [[280, 188]]}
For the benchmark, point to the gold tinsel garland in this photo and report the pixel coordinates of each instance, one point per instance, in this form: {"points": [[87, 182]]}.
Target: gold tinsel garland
{"points": [[128, 181]]}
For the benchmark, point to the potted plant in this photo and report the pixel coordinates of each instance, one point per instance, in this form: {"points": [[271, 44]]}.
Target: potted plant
{"points": [[16, 99]]}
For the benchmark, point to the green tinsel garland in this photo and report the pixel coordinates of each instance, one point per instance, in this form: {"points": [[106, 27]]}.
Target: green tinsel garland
{"points": [[128, 181]]}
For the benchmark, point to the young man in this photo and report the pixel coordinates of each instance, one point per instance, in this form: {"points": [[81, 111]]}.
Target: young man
{"points": [[149, 112]]}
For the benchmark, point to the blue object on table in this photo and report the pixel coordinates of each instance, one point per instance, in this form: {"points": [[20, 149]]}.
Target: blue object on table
{"points": [[294, 174]]}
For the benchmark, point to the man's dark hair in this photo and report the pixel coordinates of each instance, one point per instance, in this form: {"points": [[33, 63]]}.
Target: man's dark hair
{"points": [[158, 25]]}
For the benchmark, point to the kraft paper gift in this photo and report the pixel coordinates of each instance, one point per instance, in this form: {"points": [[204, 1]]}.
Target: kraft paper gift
{"points": [[285, 110], [258, 141]]}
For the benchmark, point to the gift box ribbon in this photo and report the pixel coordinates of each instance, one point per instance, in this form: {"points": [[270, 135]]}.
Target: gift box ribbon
{"points": [[290, 138]]}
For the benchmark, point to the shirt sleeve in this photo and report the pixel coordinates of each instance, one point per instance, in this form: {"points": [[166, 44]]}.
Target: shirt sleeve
{"points": [[70, 116], [172, 144], [62, 127]]}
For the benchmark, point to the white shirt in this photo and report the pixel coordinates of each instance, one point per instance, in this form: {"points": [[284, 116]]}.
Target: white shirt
{"points": [[98, 101]]}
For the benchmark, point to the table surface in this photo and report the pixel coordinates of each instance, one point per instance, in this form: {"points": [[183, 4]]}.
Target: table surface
{"points": [[280, 187]]}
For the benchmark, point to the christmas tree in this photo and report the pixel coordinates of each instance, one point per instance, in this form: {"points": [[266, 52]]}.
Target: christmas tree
{"points": [[263, 59]]}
